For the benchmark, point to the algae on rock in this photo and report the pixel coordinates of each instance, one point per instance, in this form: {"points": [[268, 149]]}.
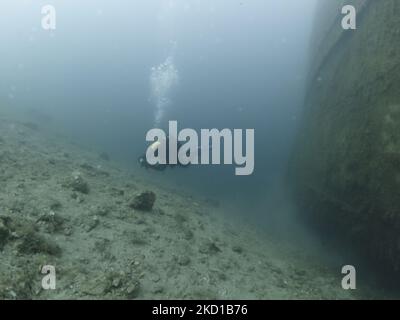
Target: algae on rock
{"points": [[345, 169]]}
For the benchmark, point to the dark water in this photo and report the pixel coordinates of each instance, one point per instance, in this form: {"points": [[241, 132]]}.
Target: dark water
{"points": [[229, 64]]}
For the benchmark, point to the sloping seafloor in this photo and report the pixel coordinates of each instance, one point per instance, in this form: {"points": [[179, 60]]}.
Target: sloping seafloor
{"points": [[103, 249]]}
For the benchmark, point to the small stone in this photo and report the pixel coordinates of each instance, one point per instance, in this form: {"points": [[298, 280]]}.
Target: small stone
{"points": [[102, 211], [52, 221], [137, 238], [222, 276], [132, 291], [96, 287], [55, 205], [156, 278], [209, 247], [33, 243], [157, 289], [14, 235], [78, 184], [237, 249], [116, 283], [183, 260], [117, 192], [13, 294], [300, 273], [143, 201], [80, 200], [93, 223], [188, 234]]}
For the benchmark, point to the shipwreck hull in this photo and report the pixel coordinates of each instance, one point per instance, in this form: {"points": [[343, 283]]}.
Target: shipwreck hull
{"points": [[345, 169]]}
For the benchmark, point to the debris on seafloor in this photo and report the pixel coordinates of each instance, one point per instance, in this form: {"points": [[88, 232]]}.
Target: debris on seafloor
{"points": [[137, 238], [237, 249], [209, 247], [34, 243], [52, 222], [132, 290], [78, 184], [183, 260], [101, 210], [143, 201]]}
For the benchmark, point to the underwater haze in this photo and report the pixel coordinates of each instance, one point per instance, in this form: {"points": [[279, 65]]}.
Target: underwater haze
{"points": [[76, 104], [239, 64]]}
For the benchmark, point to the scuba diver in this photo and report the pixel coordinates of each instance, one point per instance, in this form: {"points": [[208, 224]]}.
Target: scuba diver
{"points": [[160, 167]]}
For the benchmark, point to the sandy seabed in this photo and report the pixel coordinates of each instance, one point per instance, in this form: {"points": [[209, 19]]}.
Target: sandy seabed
{"points": [[101, 248]]}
